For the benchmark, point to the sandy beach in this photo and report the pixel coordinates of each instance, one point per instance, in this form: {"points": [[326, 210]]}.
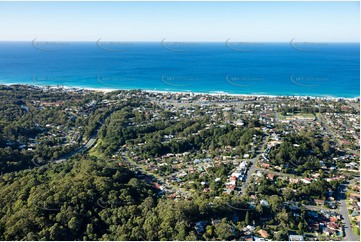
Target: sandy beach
{"points": [[184, 93], [106, 90]]}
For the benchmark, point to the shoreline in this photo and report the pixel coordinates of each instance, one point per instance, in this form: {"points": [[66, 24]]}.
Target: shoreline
{"points": [[212, 93]]}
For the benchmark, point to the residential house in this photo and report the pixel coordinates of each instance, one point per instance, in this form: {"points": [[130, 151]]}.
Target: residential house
{"points": [[270, 176], [295, 238], [319, 202], [263, 233]]}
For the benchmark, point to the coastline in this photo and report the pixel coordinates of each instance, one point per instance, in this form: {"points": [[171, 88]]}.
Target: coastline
{"points": [[213, 93]]}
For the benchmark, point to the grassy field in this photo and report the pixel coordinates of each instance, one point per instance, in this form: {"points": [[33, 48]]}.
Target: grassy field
{"points": [[308, 116], [93, 151], [356, 230]]}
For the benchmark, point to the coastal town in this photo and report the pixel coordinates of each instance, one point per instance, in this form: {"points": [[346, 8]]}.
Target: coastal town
{"points": [[324, 217], [292, 161]]}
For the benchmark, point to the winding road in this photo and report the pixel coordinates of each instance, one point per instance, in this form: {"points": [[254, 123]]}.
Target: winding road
{"points": [[85, 147]]}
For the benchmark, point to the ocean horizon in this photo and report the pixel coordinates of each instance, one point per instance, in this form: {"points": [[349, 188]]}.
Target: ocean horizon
{"points": [[292, 68]]}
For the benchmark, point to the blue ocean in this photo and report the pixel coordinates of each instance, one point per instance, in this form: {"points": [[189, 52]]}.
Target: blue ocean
{"points": [[301, 69]]}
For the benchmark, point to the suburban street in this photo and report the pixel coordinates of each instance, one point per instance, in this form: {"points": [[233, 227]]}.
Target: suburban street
{"points": [[253, 161], [327, 127], [341, 198]]}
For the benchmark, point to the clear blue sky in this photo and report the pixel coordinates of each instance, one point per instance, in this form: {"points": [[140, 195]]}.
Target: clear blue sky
{"points": [[181, 21]]}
